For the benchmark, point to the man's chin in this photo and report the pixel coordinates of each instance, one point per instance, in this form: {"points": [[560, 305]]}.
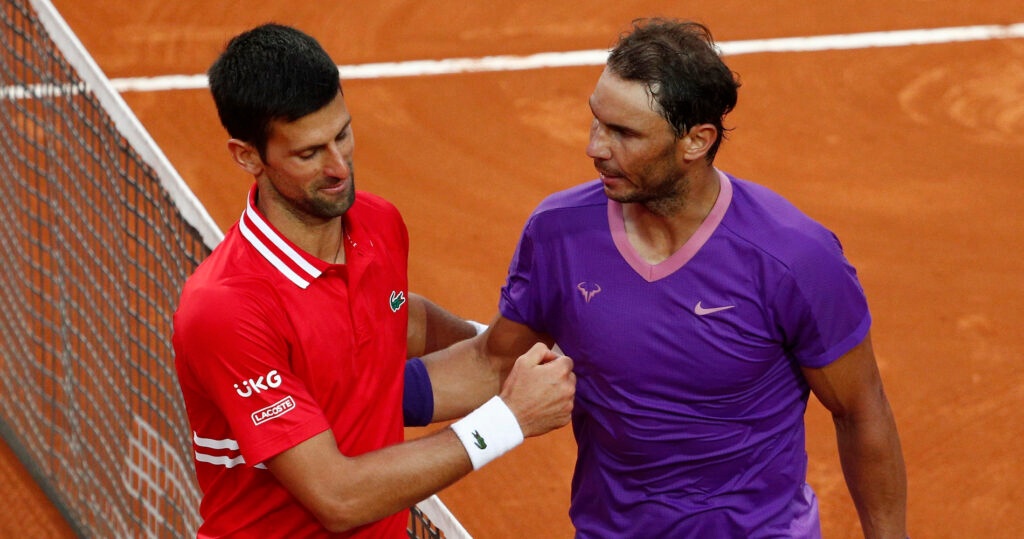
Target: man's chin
{"points": [[615, 188], [328, 208]]}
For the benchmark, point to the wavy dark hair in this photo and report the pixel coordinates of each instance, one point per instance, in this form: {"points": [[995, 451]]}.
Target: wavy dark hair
{"points": [[272, 72], [683, 71]]}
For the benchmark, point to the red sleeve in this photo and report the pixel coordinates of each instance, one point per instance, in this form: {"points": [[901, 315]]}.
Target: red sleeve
{"points": [[234, 341]]}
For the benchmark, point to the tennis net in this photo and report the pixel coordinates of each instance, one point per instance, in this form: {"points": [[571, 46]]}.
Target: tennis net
{"points": [[96, 249], [98, 232]]}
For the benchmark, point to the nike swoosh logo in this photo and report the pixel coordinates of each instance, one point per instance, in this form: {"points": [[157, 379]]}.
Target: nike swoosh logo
{"points": [[700, 310]]}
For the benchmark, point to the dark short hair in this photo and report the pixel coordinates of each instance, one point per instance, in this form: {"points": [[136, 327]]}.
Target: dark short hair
{"points": [[681, 67], [270, 73]]}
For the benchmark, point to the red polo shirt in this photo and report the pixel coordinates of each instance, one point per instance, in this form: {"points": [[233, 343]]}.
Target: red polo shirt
{"points": [[274, 345]]}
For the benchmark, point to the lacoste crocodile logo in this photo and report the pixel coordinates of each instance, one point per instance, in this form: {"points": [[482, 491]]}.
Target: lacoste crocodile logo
{"points": [[588, 289], [480, 442], [397, 300], [701, 310]]}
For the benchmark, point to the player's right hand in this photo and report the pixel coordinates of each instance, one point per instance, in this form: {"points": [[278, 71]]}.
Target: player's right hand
{"points": [[540, 390]]}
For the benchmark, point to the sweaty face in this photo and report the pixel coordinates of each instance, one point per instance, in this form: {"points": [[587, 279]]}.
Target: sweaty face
{"points": [[633, 147], [308, 163]]}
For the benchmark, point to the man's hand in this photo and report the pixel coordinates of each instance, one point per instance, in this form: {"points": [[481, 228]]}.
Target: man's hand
{"points": [[540, 390]]}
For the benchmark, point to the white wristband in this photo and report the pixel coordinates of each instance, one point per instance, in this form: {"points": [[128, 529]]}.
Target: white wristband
{"points": [[480, 328], [488, 432]]}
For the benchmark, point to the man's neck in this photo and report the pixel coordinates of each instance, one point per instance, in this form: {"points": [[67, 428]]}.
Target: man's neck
{"points": [[658, 230], [321, 238]]}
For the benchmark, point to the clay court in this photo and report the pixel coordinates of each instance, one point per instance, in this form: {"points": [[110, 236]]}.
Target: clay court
{"points": [[913, 155]]}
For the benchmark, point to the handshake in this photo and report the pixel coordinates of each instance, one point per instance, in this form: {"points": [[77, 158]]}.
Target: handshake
{"points": [[536, 398]]}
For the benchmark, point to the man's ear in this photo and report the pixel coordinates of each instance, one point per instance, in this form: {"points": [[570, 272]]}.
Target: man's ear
{"points": [[246, 156], [697, 142]]}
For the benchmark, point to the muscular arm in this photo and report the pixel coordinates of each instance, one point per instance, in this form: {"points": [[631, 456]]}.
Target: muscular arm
{"points": [[472, 371], [432, 328], [869, 446], [345, 492]]}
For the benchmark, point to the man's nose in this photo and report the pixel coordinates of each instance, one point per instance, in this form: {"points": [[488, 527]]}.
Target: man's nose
{"points": [[337, 164], [597, 147]]}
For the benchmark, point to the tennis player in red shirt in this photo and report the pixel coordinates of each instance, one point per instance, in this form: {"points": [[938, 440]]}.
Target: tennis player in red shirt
{"points": [[292, 337]]}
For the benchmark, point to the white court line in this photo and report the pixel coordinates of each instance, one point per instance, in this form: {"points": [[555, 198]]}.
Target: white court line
{"points": [[899, 38]]}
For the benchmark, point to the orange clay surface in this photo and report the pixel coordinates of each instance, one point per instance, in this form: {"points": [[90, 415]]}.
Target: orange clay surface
{"points": [[914, 156]]}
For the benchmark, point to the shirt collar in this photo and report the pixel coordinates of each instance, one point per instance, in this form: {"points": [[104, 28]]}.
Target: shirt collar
{"points": [[298, 266]]}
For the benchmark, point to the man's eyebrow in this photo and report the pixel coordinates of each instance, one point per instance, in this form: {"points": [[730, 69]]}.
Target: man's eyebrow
{"points": [[619, 127], [348, 124], [305, 149], [611, 125]]}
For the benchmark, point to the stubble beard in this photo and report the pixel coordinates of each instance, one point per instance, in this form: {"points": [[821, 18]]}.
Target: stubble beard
{"points": [[329, 208], [315, 206], [666, 197]]}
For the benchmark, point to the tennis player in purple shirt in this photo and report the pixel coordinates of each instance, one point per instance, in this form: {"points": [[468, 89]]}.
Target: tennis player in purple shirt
{"points": [[700, 311]]}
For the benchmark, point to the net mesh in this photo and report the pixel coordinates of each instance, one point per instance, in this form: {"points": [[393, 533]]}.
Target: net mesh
{"points": [[420, 527], [97, 237], [95, 252]]}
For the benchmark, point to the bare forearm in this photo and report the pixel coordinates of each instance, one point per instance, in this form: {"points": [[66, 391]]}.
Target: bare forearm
{"points": [[872, 462], [398, 476], [346, 492], [432, 328], [462, 378], [468, 373], [349, 492]]}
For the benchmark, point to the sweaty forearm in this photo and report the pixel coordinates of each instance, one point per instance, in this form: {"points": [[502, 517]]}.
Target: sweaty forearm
{"points": [[872, 462]]}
